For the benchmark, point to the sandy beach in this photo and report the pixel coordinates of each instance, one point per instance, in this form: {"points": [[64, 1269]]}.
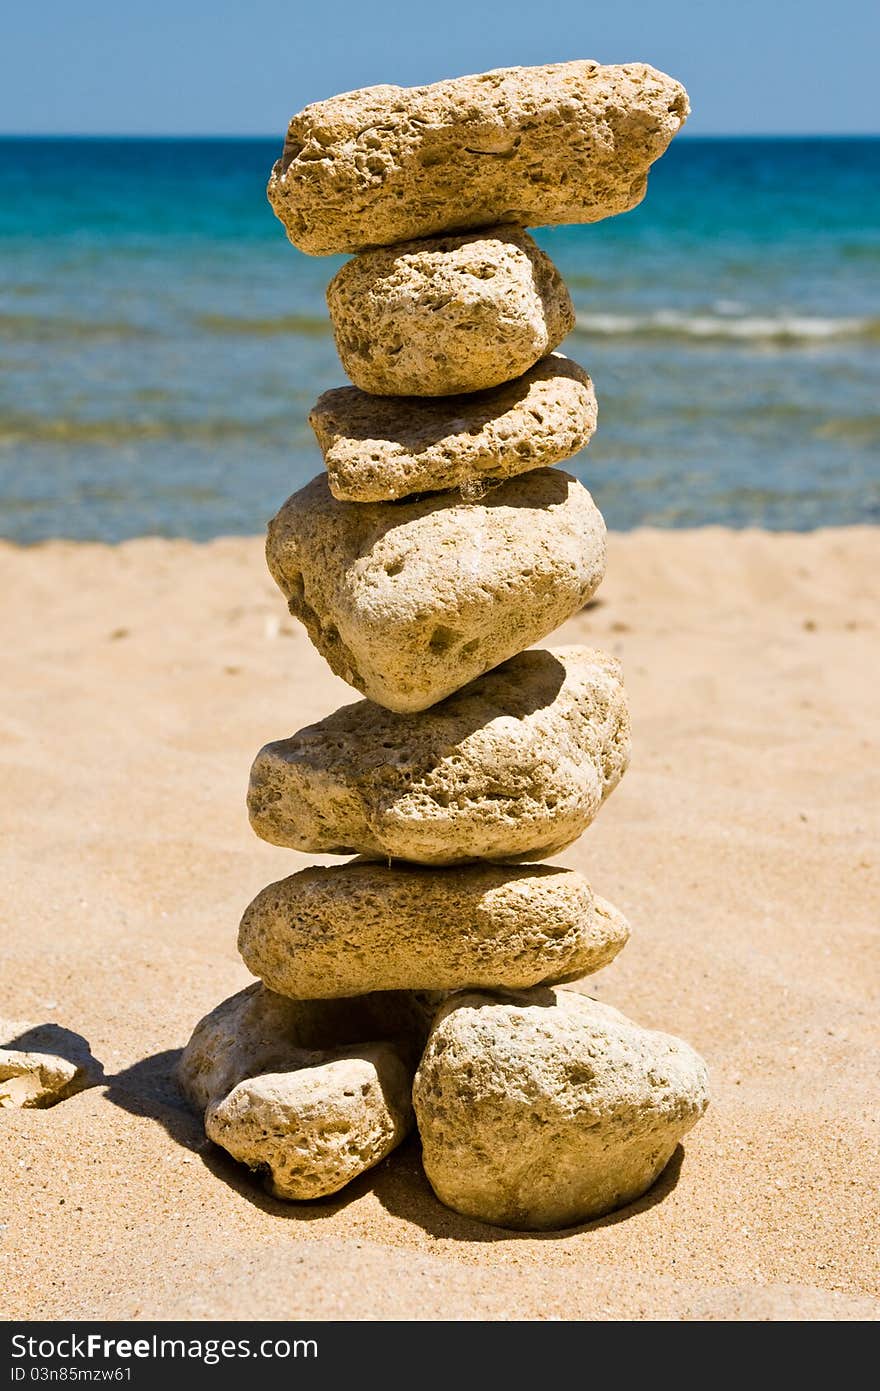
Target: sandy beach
{"points": [[138, 683]]}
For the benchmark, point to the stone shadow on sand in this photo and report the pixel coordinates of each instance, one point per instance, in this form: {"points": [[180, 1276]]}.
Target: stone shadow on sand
{"points": [[148, 1088], [403, 1190], [60, 1042]]}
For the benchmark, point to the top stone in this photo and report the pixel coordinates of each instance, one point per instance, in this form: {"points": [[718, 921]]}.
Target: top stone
{"points": [[566, 142]]}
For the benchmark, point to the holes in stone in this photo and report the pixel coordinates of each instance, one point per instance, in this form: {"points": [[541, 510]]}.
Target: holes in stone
{"points": [[442, 639], [292, 150], [579, 1075]]}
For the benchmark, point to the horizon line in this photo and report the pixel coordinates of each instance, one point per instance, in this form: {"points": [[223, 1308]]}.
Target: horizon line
{"points": [[260, 135]]}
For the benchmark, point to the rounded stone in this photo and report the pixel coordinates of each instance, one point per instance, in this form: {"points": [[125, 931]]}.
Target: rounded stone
{"points": [[409, 601], [513, 767], [310, 1132], [564, 142], [379, 448], [446, 315], [257, 1031], [364, 927], [543, 1109]]}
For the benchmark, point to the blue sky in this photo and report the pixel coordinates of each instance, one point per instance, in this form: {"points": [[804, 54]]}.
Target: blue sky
{"points": [[215, 67]]}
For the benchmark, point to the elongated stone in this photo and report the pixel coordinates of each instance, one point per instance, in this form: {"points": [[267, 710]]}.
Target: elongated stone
{"points": [[565, 142], [387, 447], [362, 927], [446, 315], [544, 1108], [513, 767], [409, 601]]}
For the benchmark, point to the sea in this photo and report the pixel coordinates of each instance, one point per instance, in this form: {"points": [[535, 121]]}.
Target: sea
{"points": [[161, 343]]}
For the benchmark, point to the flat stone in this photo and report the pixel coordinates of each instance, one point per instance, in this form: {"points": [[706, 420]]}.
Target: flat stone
{"points": [[256, 1031], [380, 448], [364, 927], [544, 1108], [446, 315], [34, 1079], [310, 1132], [42, 1064], [560, 143], [408, 601], [513, 767]]}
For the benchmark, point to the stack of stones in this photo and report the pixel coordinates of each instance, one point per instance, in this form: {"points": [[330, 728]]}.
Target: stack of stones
{"points": [[415, 983]]}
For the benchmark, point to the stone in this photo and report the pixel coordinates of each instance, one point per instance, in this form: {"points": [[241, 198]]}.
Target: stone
{"points": [[542, 1109], [310, 1132], [34, 1079], [609, 933], [379, 448], [256, 1031], [42, 1064], [310, 1093], [513, 767], [560, 143], [447, 315], [408, 601], [364, 927]]}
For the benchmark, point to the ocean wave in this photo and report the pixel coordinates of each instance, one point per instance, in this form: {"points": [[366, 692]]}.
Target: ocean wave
{"points": [[50, 328], [855, 429], [16, 428], [307, 325], [55, 328], [784, 330]]}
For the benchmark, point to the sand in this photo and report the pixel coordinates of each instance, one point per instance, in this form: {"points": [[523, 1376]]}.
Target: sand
{"points": [[139, 681]]}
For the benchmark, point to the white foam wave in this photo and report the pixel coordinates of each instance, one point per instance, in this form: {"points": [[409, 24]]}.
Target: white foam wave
{"points": [[755, 327]]}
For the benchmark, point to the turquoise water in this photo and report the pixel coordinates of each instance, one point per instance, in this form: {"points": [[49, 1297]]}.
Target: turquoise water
{"points": [[161, 343]]}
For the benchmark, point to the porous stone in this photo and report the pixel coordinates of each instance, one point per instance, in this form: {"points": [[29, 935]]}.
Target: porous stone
{"points": [[380, 448], [544, 1108], [513, 767], [449, 314], [609, 932], [365, 927], [256, 1031], [34, 1079], [564, 142], [408, 601], [42, 1064], [311, 1131]]}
